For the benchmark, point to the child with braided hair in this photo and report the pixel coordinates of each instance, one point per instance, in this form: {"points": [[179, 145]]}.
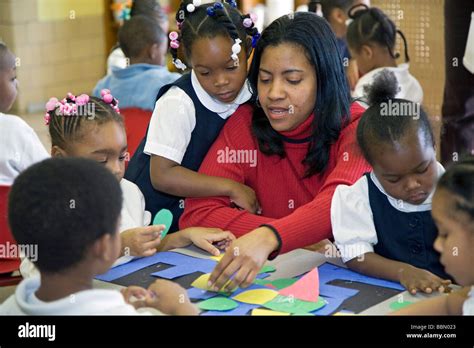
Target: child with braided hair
{"points": [[371, 37], [190, 112], [92, 128]]}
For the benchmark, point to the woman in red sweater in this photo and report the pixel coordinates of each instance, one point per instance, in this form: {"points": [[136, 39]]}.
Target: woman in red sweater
{"points": [[293, 147]]}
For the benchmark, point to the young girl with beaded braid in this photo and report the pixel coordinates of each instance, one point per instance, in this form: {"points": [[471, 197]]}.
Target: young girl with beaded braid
{"points": [[90, 127], [371, 37], [190, 113]]}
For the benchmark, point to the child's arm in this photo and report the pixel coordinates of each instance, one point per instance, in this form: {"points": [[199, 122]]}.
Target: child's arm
{"points": [[450, 304], [412, 278], [202, 237], [169, 177]]}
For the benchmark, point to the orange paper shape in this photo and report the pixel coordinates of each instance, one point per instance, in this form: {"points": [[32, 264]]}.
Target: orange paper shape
{"points": [[306, 288]]}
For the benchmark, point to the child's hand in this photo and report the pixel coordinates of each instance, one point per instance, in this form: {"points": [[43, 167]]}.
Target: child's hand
{"points": [[414, 279], [245, 198], [141, 241], [209, 239], [170, 298], [136, 296]]}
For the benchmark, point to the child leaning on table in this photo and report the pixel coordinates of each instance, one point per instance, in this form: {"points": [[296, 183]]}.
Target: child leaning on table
{"points": [[74, 205], [453, 213]]}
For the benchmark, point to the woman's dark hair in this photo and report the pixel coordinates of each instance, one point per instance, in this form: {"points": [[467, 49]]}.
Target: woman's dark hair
{"points": [[381, 122], [331, 111], [63, 205], [66, 129], [149, 8], [459, 180], [226, 21], [327, 6], [372, 25]]}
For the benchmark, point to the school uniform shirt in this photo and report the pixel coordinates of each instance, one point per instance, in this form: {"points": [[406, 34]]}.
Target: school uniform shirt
{"points": [[354, 226], [137, 85], [133, 215], [410, 88], [296, 207], [20, 147], [87, 302], [185, 123], [116, 60], [468, 306], [168, 135]]}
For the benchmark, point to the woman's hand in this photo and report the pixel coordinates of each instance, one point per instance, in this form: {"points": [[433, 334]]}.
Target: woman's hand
{"points": [[210, 239], [244, 258]]}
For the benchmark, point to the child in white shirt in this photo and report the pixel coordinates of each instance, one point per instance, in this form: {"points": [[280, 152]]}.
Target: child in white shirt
{"points": [[20, 147], [371, 37], [453, 213], [75, 217]]}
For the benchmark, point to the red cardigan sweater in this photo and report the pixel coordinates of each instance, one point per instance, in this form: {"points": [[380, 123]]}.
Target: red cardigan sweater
{"points": [[297, 208]]}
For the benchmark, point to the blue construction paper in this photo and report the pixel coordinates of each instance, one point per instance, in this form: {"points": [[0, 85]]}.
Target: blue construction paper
{"points": [[242, 309], [199, 294], [262, 275], [329, 272], [167, 257], [333, 291], [331, 306], [181, 270]]}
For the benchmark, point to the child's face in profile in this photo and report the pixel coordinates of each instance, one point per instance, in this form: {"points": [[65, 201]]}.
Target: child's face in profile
{"points": [[8, 82], [286, 86], [217, 73], [105, 143], [455, 240], [407, 169]]}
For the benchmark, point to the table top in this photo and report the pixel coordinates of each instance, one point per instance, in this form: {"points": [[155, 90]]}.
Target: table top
{"points": [[293, 264]]}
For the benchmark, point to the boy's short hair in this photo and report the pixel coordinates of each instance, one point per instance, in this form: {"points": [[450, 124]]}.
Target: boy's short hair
{"points": [[63, 205], [138, 33]]}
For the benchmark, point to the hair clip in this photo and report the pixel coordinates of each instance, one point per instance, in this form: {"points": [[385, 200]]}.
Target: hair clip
{"points": [[179, 64], [236, 48]]}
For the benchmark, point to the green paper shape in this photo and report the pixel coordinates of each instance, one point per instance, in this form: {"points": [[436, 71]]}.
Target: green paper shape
{"points": [[399, 305], [267, 269], [163, 217], [262, 282], [283, 282], [218, 304], [293, 305]]}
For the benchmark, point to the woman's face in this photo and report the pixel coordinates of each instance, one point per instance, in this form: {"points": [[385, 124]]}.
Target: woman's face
{"points": [[286, 86]]}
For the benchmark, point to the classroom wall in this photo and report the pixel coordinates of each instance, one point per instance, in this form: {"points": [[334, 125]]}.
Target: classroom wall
{"points": [[61, 46]]}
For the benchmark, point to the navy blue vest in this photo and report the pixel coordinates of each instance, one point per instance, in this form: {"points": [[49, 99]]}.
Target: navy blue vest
{"points": [[405, 237], [208, 126]]}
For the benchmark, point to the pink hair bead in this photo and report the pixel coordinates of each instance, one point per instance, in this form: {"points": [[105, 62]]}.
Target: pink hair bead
{"points": [[173, 36], [104, 92], [174, 44], [108, 98], [253, 17]]}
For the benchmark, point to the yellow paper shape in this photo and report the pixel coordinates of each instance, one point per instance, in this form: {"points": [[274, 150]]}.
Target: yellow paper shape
{"points": [[201, 282], [267, 312], [257, 296], [217, 258], [343, 313]]}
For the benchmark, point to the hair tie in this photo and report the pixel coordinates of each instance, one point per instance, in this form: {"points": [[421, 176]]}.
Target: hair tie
{"points": [[179, 64], [232, 3], [192, 7], [236, 49]]}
